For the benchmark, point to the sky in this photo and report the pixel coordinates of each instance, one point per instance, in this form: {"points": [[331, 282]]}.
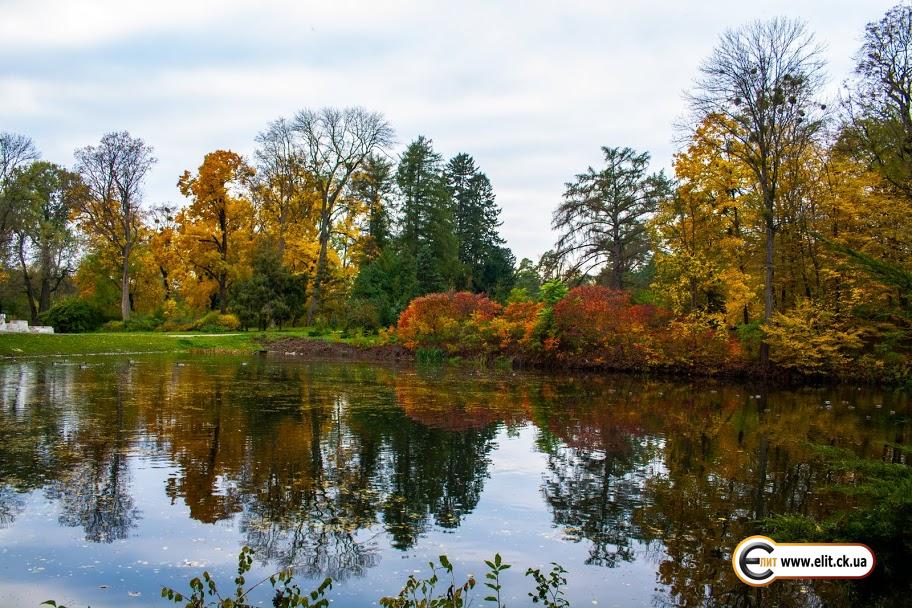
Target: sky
{"points": [[531, 89]]}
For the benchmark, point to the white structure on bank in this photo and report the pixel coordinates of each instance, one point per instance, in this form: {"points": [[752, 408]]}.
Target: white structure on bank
{"points": [[22, 327]]}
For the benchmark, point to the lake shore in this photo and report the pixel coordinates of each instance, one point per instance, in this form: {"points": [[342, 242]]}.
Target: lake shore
{"points": [[15, 346]]}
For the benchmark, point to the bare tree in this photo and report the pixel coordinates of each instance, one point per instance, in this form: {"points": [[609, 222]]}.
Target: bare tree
{"points": [[758, 86], [602, 219], [279, 186], [878, 110], [113, 172], [334, 144], [16, 151]]}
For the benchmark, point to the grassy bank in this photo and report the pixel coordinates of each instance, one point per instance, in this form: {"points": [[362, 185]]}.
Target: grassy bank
{"points": [[31, 345], [38, 345]]}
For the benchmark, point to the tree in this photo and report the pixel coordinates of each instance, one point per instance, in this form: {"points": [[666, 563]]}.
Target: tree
{"points": [[426, 230], [527, 279], [216, 229], [110, 209], [705, 233], [878, 110], [16, 151], [602, 218], [476, 218], [282, 190], [388, 284], [373, 185], [334, 145], [758, 85], [45, 247], [161, 245], [272, 295]]}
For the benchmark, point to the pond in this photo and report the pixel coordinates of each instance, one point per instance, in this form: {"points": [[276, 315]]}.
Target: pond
{"points": [[119, 476]]}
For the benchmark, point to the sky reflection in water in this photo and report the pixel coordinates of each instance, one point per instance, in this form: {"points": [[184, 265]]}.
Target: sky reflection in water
{"points": [[117, 477]]}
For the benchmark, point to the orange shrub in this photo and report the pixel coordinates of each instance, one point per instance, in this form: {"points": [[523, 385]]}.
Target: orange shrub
{"points": [[698, 345], [448, 321], [598, 327], [513, 331], [590, 326]]}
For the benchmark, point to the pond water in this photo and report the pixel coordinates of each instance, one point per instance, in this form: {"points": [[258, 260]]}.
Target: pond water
{"points": [[119, 476]]}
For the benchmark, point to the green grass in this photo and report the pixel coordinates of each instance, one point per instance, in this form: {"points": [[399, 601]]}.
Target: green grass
{"points": [[36, 345], [30, 345]]}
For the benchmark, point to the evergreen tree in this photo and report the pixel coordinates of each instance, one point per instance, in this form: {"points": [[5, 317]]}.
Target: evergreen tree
{"points": [[485, 263], [602, 220], [388, 283], [272, 295], [426, 232]]}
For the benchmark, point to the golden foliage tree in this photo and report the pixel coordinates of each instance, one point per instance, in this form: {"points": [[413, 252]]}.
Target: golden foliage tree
{"points": [[215, 232]]}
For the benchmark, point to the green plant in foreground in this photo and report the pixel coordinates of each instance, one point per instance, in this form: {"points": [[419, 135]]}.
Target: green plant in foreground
{"points": [[421, 593], [493, 575], [549, 589], [416, 593], [286, 594]]}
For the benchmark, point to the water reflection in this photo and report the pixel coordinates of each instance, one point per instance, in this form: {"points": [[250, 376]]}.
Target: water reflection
{"points": [[316, 463]]}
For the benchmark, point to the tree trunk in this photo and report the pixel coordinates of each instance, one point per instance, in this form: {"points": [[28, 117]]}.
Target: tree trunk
{"points": [[321, 269], [44, 297], [223, 293], [768, 299], [617, 270], [125, 286], [27, 280], [223, 276]]}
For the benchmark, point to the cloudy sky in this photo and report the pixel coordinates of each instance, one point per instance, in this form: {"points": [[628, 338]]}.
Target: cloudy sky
{"points": [[531, 89]]}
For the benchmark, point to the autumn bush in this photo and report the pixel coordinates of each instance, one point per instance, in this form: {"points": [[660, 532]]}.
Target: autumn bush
{"points": [[812, 340], [447, 321], [513, 331], [594, 326], [698, 344]]}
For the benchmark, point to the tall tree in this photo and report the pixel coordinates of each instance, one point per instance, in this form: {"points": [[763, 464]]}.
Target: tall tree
{"points": [[426, 230], [216, 229], [476, 219], [281, 187], [602, 219], [705, 233], [759, 85], [44, 244], [113, 172], [373, 185], [878, 110], [334, 145], [161, 245], [16, 152]]}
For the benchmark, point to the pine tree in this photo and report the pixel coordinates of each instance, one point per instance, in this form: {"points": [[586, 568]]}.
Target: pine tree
{"points": [[482, 256], [426, 231]]}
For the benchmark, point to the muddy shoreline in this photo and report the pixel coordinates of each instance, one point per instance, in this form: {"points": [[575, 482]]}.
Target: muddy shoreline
{"points": [[338, 351]]}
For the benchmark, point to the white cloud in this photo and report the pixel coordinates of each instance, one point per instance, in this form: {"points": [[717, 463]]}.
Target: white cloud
{"points": [[531, 89]]}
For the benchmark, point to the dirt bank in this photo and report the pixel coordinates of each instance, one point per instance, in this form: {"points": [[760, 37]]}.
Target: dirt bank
{"points": [[338, 351]]}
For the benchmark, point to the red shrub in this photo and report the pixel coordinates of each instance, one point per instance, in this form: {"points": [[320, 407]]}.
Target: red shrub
{"points": [[596, 326], [448, 321]]}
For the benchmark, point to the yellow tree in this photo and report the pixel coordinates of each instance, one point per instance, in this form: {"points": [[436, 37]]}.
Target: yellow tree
{"points": [[762, 79], [98, 277], [706, 235], [215, 232]]}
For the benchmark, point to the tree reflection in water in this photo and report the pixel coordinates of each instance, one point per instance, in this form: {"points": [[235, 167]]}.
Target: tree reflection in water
{"points": [[319, 462]]}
